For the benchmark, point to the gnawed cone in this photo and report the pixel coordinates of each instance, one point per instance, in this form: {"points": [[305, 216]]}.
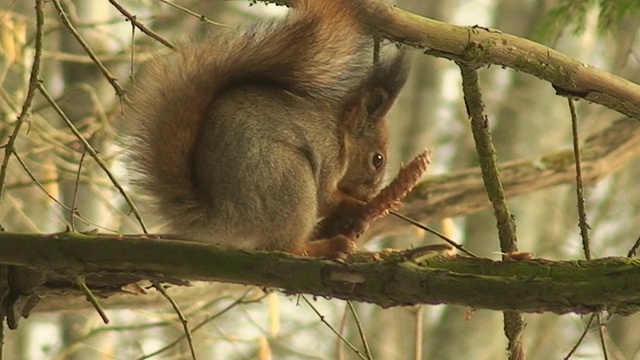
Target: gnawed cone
{"points": [[391, 196]]}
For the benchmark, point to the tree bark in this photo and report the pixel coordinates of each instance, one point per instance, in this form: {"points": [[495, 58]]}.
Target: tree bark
{"points": [[387, 279]]}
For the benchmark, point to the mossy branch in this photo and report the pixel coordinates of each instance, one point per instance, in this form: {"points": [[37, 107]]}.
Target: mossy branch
{"points": [[387, 279]]}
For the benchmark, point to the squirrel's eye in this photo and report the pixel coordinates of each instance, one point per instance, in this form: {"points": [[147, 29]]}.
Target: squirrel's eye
{"points": [[377, 160]]}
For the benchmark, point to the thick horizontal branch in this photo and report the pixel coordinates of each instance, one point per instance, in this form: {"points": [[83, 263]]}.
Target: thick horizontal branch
{"points": [[388, 279], [462, 192], [477, 45]]}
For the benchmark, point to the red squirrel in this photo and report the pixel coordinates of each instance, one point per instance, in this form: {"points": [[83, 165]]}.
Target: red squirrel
{"points": [[271, 138]]}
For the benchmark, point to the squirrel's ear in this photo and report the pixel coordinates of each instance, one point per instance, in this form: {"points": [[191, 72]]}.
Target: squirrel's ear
{"points": [[382, 85], [376, 93]]}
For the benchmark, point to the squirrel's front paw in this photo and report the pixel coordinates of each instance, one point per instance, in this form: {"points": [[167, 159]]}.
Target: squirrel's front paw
{"points": [[348, 221], [351, 225]]}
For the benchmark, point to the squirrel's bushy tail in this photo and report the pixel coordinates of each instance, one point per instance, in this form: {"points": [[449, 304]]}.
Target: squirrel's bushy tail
{"points": [[318, 52]]}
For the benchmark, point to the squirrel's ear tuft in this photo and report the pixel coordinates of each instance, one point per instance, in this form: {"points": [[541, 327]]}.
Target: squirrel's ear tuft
{"points": [[373, 98], [383, 83]]}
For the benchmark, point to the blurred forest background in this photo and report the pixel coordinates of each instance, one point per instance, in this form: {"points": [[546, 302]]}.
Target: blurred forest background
{"points": [[526, 117]]}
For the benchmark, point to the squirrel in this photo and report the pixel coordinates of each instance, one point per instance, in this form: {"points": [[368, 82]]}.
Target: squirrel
{"points": [[271, 138]]}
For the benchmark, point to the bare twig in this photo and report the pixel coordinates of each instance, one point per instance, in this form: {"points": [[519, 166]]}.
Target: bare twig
{"points": [[67, 23], [338, 334], [183, 319], [26, 106], [75, 191], [192, 13], [93, 153], [240, 300], [434, 232], [582, 336], [582, 213], [83, 59], [135, 327], [634, 248], [603, 342], [39, 184], [365, 344], [92, 299], [141, 26]]}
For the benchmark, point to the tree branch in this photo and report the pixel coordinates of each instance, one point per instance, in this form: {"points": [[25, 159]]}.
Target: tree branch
{"points": [[388, 279], [473, 44], [482, 46]]}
